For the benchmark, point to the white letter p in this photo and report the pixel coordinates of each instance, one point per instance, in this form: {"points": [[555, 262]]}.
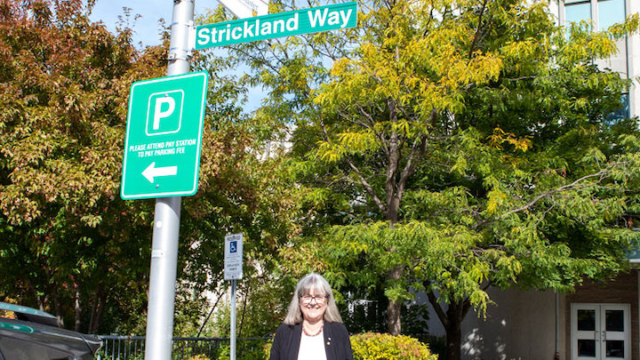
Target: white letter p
{"points": [[159, 114]]}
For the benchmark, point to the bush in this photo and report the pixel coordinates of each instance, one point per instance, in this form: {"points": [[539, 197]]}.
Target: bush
{"points": [[371, 346], [199, 357], [267, 351], [245, 350]]}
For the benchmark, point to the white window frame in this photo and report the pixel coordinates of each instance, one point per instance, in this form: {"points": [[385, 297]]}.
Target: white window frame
{"points": [[595, 14], [600, 335]]}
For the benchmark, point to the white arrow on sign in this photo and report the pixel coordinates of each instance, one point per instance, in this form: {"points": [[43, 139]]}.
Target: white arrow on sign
{"points": [[151, 171]]}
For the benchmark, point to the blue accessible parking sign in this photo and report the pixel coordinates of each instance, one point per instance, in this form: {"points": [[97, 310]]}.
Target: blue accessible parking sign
{"points": [[233, 257]]}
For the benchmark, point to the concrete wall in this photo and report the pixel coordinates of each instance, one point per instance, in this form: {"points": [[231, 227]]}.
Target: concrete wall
{"points": [[521, 325]]}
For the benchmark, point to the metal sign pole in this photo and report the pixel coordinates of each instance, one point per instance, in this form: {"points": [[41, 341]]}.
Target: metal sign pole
{"points": [[233, 319], [164, 260], [164, 256], [233, 272]]}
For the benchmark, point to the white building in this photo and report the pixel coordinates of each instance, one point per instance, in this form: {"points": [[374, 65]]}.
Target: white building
{"points": [[602, 14]]}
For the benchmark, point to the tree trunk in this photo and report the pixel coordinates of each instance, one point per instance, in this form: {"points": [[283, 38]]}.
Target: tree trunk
{"points": [[98, 310], [78, 309], [395, 181], [94, 311], [393, 317], [57, 305], [454, 331], [452, 322], [244, 309], [103, 305], [219, 296], [37, 295], [393, 314], [394, 309]]}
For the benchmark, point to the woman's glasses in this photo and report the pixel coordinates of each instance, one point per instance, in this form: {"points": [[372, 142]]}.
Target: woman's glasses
{"points": [[309, 298]]}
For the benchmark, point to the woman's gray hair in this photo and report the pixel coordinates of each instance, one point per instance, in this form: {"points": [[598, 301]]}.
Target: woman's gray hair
{"points": [[305, 285]]}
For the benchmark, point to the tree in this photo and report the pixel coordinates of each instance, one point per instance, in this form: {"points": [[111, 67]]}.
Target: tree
{"points": [[63, 112], [242, 190], [71, 245], [456, 145]]}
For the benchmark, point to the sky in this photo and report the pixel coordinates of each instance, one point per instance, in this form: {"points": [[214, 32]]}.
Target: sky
{"points": [[146, 28]]}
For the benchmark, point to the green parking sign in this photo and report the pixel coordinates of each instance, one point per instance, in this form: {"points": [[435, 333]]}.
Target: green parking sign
{"points": [[164, 135]]}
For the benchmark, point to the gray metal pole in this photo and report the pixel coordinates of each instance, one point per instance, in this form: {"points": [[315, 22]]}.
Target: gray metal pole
{"points": [[166, 229], [233, 319], [179, 51], [162, 289]]}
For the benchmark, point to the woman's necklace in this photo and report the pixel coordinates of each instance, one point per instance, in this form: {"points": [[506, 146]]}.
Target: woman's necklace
{"points": [[304, 328]]}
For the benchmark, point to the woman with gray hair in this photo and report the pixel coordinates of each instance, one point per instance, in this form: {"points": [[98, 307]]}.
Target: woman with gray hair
{"points": [[313, 328]]}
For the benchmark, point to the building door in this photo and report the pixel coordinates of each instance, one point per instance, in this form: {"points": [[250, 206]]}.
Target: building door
{"points": [[600, 331]]}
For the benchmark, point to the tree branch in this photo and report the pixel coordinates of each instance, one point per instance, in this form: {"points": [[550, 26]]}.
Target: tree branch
{"points": [[394, 154], [576, 185], [355, 169], [477, 35], [367, 187], [380, 137], [436, 305], [466, 306], [417, 152]]}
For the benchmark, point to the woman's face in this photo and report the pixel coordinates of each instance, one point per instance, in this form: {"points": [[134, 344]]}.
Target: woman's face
{"points": [[313, 305]]}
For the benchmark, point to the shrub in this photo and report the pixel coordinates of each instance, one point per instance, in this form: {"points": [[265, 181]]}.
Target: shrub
{"points": [[371, 346], [267, 351], [199, 357]]}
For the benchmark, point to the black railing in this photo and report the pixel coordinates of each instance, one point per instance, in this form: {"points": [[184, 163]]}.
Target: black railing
{"points": [[184, 348]]}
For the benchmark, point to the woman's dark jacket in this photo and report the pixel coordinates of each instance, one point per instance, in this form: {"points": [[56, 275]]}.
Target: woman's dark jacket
{"points": [[336, 342]]}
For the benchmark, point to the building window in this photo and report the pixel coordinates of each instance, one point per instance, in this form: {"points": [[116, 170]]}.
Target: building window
{"points": [[578, 11], [622, 113], [601, 13]]}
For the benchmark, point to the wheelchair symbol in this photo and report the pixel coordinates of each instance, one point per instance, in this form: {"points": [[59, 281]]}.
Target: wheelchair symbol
{"points": [[233, 247]]}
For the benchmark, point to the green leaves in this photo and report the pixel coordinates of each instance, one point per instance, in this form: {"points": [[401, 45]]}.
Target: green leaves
{"points": [[346, 144], [459, 143], [62, 116]]}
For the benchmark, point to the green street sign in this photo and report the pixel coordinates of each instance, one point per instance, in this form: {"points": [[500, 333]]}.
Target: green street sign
{"points": [[164, 135], [322, 18]]}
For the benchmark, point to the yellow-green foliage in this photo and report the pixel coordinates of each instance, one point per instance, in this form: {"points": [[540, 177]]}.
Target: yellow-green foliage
{"points": [[267, 350], [371, 346], [199, 357]]}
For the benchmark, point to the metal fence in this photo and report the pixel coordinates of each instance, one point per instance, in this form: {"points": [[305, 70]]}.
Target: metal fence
{"points": [[184, 348]]}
